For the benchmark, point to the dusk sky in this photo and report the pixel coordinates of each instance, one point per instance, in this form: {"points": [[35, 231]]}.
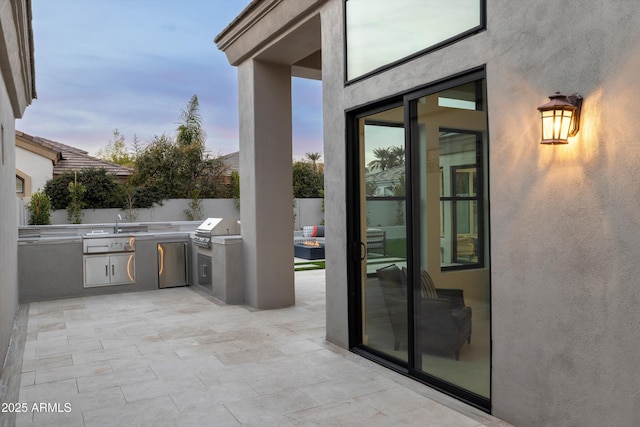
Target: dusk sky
{"points": [[134, 64]]}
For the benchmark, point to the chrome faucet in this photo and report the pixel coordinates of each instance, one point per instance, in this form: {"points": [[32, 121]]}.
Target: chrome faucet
{"points": [[116, 230]]}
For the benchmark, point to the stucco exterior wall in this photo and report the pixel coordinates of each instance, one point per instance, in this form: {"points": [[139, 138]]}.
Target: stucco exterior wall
{"points": [[8, 224], [39, 168], [564, 219], [565, 304], [334, 173], [17, 89]]}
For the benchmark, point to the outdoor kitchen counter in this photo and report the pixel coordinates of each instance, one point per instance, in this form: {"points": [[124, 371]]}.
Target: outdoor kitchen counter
{"points": [[140, 236], [50, 264]]}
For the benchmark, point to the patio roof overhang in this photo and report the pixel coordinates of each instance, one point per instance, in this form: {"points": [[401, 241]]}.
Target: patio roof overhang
{"points": [[271, 31]]}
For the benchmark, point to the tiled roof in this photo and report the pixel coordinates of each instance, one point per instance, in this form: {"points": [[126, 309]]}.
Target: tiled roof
{"points": [[74, 159], [232, 161], [391, 175]]}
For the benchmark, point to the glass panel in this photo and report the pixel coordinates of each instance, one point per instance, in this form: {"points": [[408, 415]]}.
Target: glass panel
{"points": [[383, 231], [459, 154], [19, 185], [451, 291], [380, 32]]}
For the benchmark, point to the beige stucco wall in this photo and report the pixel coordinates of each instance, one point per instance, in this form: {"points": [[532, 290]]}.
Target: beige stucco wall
{"points": [[39, 168]]}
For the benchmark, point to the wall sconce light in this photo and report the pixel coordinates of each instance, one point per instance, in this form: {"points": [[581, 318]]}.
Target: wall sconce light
{"points": [[560, 118]]}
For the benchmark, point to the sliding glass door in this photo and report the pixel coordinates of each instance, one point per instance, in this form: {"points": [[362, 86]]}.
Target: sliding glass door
{"points": [[420, 275], [382, 231]]}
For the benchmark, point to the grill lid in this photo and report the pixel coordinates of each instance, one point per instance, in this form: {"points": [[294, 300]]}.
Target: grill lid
{"points": [[219, 227]]}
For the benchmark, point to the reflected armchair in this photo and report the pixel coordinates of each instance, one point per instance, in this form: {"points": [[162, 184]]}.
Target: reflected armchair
{"points": [[394, 284], [443, 322]]}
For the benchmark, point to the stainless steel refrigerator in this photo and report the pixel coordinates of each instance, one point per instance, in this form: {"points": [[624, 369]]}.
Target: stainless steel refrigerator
{"points": [[173, 264]]}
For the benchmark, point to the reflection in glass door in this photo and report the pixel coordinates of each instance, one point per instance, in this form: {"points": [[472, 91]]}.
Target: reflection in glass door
{"points": [[383, 233], [451, 276], [421, 274]]}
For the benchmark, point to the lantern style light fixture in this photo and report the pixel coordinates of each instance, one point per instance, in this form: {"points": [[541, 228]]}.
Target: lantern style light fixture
{"points": [[560, 118]]}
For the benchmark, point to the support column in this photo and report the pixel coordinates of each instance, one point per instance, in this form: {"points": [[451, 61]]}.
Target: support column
{"points": [[266, 191]]}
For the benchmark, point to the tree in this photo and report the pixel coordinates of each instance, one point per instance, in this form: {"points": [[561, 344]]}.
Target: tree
{"points": [[214, 180], [235, 188], [307, 182], [181, 168], [102, 190], [314, 157], [117, 152], [156, 171], [387, 157], [74, 208], [39, 209], [190, 145]]}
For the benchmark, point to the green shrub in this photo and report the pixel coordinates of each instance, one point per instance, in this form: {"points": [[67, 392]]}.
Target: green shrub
{"points": [[101, 189], [39, 209], [74, 208]]}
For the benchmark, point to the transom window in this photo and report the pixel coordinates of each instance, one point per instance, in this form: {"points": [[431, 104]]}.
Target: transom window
{"points": [[381, 33]]}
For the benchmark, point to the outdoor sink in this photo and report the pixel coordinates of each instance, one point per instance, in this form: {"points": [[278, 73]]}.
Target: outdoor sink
{"points": [[96, 233], [108, 243], [108, 232]]}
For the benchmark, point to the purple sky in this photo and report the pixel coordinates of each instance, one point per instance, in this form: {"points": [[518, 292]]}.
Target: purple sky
{"points": [[134, 64]]}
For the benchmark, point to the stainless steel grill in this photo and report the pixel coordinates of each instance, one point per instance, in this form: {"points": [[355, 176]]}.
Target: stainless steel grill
{"points": [[215, 227]]}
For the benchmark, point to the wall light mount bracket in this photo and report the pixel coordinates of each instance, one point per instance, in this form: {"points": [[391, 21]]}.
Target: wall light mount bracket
{"points": [[560, 118]]}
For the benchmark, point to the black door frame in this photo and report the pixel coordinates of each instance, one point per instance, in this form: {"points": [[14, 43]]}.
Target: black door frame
{"points": [[356, 249]]}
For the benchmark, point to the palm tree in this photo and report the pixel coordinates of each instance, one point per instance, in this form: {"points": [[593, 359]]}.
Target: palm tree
{"points": [[190, 131], [381, 159], [314, 157], [397, 153], [387, 157]]}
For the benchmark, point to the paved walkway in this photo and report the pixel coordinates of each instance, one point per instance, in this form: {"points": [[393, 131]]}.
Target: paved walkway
{"points": [[175, 357]]}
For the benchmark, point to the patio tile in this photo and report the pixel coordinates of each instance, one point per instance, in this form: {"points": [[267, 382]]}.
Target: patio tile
{"points": [[55, 391], [222, 393], [218, 416], [172, 357], [129, 414], [342, 389], [270, 406], [344, 413], [179, 368], [161, 387], [97, 355], [115, 379], [74, 371], [143, 361]]}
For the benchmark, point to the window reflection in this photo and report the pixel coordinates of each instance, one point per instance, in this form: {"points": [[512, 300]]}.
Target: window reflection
{"points": [[19, 185], [383, 233], [460, 157], [380, 32], [422, 227], [451, 279]]}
